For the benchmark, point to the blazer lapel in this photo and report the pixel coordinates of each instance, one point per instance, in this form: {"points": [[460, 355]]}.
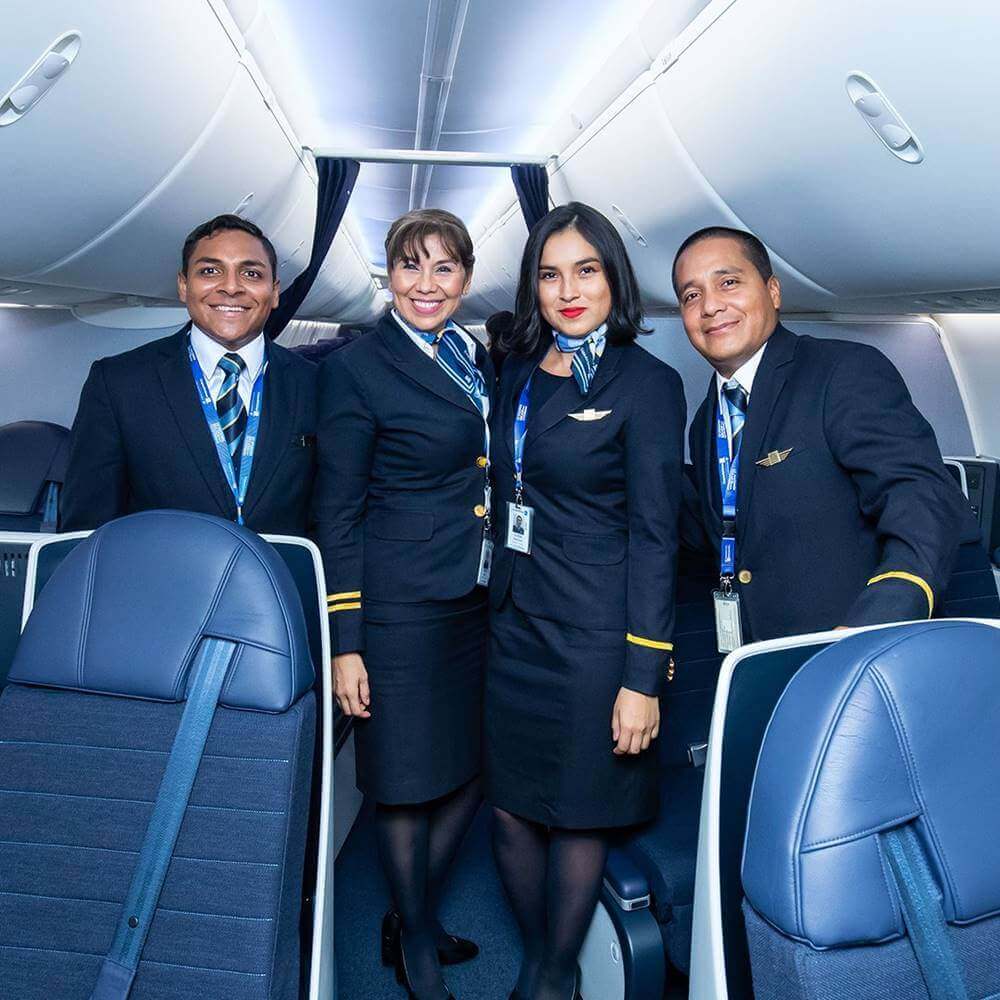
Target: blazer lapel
{"points": [[416, 365], [279, 407], [181, 394], [567, 397], [767, 385]]}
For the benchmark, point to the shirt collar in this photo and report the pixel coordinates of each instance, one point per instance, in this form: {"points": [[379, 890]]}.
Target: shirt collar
{"points": [[424, 346], [745, 374], [209, 351]]}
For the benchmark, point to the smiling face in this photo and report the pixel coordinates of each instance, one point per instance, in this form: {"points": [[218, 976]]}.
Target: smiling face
{"points": [[573, 291], [229, 289], [427, 289], [728, 309]]}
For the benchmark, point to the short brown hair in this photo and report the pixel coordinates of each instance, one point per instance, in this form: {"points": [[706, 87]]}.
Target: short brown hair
{"points": [[409, 233]]}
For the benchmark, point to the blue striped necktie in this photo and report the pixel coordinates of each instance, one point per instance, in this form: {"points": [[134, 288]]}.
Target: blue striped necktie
{"points": [[229, 405], [586, 353], [736, 404]]}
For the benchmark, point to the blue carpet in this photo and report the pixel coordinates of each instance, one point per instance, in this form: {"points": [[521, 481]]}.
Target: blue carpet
{"points": [[474, 907]]}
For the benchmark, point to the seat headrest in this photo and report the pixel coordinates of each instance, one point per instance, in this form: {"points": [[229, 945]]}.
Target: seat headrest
{"points": [[882, 728], [32, 453], [125, 612]]}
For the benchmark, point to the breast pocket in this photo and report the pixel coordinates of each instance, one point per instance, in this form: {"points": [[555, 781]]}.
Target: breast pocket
{"points": [[402, 525], [594, 550]]}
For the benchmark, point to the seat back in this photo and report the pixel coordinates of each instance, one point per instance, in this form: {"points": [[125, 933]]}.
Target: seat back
{"points": [[87, 721], [33, 456], [885, 730]]}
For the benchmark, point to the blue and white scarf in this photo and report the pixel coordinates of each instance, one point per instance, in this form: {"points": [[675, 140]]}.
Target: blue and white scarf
{"points": [[586, 353]]}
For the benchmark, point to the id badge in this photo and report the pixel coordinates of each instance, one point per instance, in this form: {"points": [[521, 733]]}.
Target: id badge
{"points": [[485, 563], [728, 629], [519, 520]]}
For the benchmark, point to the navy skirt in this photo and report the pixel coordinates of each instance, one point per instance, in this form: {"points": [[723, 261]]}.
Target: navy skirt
{"points": [[425, 667], [550, 692]]}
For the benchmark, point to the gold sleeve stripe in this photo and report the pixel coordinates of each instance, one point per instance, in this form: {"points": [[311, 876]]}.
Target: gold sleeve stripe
{"points": [[347, 595], [651, 643], [350, 606], [910, 578]]}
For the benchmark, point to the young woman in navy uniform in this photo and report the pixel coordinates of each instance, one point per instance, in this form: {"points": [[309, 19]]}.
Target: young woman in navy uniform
{"points": [[587, 461], [402, 502]]}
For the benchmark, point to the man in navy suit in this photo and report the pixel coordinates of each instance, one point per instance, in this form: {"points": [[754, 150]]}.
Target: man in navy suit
{"points": [[839, 510], [213, 418]]}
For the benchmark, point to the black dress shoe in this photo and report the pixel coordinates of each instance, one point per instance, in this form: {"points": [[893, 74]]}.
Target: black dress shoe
{"points": [[403, 979], [452, 951]]}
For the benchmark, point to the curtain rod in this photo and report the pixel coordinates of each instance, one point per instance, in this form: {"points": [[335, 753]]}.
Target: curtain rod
{"points": [[435, 156]]}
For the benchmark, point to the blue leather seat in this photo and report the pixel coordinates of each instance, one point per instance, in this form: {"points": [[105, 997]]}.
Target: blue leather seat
{"points": [[87, 720], [887, 735], [33, 456]]}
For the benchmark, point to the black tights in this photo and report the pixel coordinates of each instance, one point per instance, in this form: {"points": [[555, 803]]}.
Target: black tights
{"points": [[553, 879], [417, 845]]}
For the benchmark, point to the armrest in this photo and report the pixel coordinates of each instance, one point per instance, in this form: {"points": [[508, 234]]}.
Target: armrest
{"points": [[625, 882]]}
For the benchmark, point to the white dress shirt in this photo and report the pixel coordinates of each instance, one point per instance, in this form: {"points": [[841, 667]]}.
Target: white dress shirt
{"points": [[208, 352], [744, 375]]}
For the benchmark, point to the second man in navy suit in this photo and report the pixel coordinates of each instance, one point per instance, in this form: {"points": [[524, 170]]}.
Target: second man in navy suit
{"points": [[820, 489], [168, 424]]}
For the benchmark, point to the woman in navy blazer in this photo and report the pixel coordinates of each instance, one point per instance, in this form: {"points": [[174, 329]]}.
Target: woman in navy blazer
{"points": [[401, 510], [582, 591]]}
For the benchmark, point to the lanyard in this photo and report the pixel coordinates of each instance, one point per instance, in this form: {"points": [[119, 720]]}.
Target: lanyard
{"points": [[239, 487], [729, 470], [520, 430]]}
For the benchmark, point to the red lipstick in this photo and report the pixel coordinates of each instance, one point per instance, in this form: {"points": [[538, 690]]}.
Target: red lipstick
{"points": [[573, 312]]}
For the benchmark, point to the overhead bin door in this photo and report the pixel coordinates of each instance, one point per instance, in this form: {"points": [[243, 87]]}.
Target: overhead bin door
{"points": [[633, 168], [156, 127], [761, 104]]}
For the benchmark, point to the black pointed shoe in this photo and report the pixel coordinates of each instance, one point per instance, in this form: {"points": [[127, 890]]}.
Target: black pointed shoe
{"points": [[452, 950], [403, 978]]}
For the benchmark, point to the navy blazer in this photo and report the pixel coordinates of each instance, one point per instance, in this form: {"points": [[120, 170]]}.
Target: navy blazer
{"points": [[140, 442], [860, 522], [606, 494], [399, 500]]}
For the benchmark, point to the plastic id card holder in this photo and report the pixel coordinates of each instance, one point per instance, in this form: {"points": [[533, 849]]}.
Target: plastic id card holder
{"points": [[728, 627], [485, 563], [519, 519]]}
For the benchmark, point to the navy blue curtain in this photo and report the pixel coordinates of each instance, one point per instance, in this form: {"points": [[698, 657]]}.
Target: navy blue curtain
{"points": [[531, 182], [336, 182]]}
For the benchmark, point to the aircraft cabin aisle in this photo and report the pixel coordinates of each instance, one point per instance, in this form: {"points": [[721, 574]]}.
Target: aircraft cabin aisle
{"points": [[827, 816]]}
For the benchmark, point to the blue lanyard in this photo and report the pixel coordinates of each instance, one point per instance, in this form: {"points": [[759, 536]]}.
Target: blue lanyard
{"points": [[729, 471], [520, 430], [239, 488]]}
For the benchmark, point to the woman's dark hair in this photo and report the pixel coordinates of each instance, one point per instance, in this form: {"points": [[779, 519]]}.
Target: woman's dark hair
{"points": [[625, 319], [409, 233]]}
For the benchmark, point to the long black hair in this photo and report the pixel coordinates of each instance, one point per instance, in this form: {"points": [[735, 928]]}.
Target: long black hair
{"points": [[624, 322]]}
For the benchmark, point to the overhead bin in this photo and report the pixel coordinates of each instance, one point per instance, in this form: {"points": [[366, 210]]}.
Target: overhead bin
{"points": [[764, 104], [162, 120]]}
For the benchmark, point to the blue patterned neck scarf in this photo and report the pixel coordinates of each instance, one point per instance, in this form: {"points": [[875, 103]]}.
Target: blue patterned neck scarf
{"points": [[586, 353], [453, 357]]}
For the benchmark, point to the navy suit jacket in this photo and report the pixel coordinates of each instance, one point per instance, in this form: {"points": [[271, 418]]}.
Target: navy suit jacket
{"points": [[140, 442], [606, 495], [399, 501], [860, 523]]}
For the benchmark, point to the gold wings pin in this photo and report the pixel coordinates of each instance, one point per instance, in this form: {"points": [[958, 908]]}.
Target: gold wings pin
{"points": [[590, 415], [773, 458]]}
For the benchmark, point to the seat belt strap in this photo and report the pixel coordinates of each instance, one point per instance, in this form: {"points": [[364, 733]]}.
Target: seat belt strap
{"points": [[114, 981], [50, 510], [923, 915]]}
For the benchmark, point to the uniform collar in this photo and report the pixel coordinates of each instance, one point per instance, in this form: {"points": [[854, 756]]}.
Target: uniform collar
{"points": [[208, 352], [745, 374]]}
